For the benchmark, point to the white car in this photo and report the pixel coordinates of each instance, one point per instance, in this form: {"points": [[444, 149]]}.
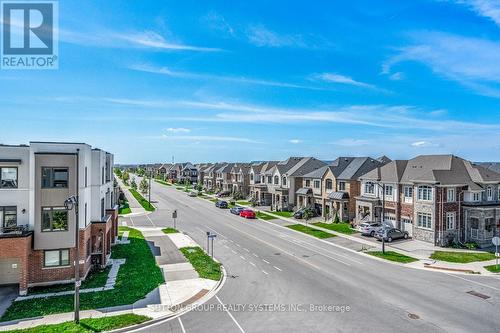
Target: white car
{"points": [[369, 228], [192, 194]]}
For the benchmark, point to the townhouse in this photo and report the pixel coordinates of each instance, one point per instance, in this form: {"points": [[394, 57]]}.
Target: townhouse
{"points": [[441, 199], [331, 190], [240, 179], [223, 178], [188, 173], [210, 176], [202, 172], [257, 183], [37, 231], [162, 171]]}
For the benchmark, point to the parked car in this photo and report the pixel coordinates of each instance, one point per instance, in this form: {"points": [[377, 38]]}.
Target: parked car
{"points": [[223, 194], [236, 210], [391, 234], [247, 213], [300, 213], [369, 228], [192, 194], [221, 204]]}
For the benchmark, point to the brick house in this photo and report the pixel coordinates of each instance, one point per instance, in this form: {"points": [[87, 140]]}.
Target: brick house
{"points": [[441, 199], [37, 232]]}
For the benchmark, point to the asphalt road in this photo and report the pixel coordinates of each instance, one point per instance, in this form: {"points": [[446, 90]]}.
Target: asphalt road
{"points": [[296, 276]]}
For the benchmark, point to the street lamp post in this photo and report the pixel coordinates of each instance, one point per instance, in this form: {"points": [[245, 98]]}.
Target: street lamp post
{"points": [[150, 176], [70, 204], [383, 214]]}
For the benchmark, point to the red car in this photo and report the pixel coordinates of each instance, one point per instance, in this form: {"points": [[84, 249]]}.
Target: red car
{"points": [[247, 213]]}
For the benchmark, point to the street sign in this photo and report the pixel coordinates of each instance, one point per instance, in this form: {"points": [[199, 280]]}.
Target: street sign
{"points": [[174, 214], [496, 241], [212, 236]]}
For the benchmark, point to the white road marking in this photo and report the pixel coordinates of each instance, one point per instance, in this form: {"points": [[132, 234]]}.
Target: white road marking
{"points": [[251, 263], [242, 257], [478, 283], [279, 269], [154, 225], [231, 240], [264, 260], [229, 313], [238, 245], [132, 222], [246, 249], [234, 251], [227, 247], [265, 272], [256, 256], [182, 325]]}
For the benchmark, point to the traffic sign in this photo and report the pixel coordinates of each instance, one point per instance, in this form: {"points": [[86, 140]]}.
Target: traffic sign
{"points": [[496, 241], [174, 214], [212, 236]]}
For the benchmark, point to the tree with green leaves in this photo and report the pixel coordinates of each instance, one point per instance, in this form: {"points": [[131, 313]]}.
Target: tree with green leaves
{"points": [[144, 186], [125, 177], [133, 184]]}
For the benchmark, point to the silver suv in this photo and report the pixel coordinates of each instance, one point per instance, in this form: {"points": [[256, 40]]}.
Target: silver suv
{"points": [[369, 228]]}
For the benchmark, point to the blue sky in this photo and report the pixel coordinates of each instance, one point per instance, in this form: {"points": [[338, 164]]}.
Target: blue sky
{"points": [[255, 80]]}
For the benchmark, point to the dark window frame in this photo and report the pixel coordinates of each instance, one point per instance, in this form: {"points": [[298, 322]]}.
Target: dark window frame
{"points": [[3, 210], [17, 177], [60, 258], [51, 210], [52, 178]]}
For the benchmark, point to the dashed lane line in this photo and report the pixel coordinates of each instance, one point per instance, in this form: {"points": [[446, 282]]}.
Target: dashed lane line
{"points": [[279, 269]]}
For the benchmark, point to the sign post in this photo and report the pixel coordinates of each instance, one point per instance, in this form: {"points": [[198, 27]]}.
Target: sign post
{"points": [[212, 237], [208, 242], [496, 242], [174, 216]]}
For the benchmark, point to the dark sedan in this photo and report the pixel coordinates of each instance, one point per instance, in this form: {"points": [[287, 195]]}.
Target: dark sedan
{"points": [[221, 204], [391, 234]]}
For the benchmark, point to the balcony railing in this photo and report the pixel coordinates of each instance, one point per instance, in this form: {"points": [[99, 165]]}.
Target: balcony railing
{"points": [[14, 231]]}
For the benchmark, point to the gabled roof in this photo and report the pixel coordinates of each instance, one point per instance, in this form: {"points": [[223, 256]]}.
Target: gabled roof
{"points": [[284, 166], [359, 166], [305, 166], [493, 166]]}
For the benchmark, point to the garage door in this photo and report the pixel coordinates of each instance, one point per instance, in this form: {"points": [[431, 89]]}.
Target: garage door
{"points": [[10, 271]]}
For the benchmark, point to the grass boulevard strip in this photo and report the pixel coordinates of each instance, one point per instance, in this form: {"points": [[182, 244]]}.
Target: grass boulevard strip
{"points": [[144, 203], [136, 278], [310, 231]]}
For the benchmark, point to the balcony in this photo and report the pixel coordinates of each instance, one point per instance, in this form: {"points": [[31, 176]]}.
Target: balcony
{"points": [[17, 231]]}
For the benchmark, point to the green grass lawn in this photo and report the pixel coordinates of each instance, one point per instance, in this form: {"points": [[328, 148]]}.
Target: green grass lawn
{"points": [[163, 182], [344, 228], [283, 214], [89, 325], [244, 203], [462, 257], [95, 279], [124, 209], [392, 256], [136, 278], [170, 231], [206, 267], [310, 231], [493, 268], [264, 216], [144, 203]]}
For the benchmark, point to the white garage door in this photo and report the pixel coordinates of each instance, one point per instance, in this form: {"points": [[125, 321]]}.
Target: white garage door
{"points": [[10, 271]]}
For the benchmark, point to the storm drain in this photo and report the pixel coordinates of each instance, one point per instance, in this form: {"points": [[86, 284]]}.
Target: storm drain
{"points": [[475, 293], [413, 316], [277, 254], [305, 256]]}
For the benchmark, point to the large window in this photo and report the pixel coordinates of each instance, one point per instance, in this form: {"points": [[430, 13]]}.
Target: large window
{"points": [[317, 184], [476, 196], [308, 183], [55, 177], [424, 220], [369, 188], [408, 193], [425, 193], [489, 193], [389, 190], [54, 219], [450, 220], [328, 184], [8, 217], [8, 177], [55, 258], [276, 180], [284, 181], [341, 186], [450, 195]]}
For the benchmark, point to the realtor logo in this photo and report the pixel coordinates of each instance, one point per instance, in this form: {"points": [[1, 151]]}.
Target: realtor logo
{"points": [[29, 35]]}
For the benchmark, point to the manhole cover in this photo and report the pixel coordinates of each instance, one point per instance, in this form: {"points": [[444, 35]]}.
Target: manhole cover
{"points": [[413, 316], [475, 293], [305, 256], [277, 254]]}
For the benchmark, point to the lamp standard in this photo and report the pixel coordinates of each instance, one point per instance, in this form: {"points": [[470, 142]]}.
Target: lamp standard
{"points": [[70, 204], [382, 186], [150, 176]]}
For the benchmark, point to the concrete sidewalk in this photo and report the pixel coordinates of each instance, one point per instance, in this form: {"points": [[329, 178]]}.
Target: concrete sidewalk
{"points": [[134, 205], [182, 286]]}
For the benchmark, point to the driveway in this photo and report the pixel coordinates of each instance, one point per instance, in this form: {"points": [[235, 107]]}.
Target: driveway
{"points": [[7, 296]]}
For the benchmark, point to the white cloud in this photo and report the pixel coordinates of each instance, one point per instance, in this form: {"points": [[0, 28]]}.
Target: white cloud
{"points": [[206, 138], [397, 76], [422, 144], [351, 142], [486, 8], [341, 79], [295, 141], [259, 35], [473, 62], [178, 130], [219, 24]]}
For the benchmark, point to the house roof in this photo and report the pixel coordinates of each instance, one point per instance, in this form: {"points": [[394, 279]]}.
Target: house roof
{"points": [[338, 195], [304, 191], [493, 166], [305, 166], [359, 166]]}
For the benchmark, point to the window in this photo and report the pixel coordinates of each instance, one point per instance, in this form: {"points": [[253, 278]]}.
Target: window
{"points": [[341, 186], [424, 220], [251, 176], [450, 195], [102, 175], [328, 184], [317, 184], [276, 180], [55, 177], [425, 193], [55, 258], [102, 207], [269, 179], [389, 189], [476, 196], [308, 183], [369, 188], [450, 220], [85, 214], [8, 217], [8, 177], [54, 219], [489, 193], [284, 181], [408, 192], [85, 176]]}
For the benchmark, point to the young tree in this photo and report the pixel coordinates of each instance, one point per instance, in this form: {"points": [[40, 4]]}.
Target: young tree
{"points": [[118, 172], [144, 186], [133, 184], [125, 177]]}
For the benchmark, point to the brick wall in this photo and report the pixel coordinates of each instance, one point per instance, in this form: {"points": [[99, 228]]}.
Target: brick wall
{"points": [[18, 248]]}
